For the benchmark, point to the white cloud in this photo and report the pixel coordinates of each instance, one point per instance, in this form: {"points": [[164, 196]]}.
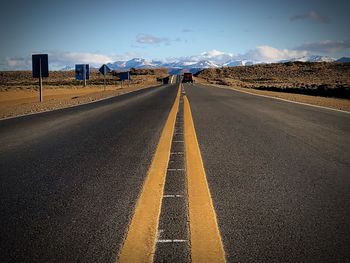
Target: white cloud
{"points": [[265, 54], [18, 63], [60, 59], [214, 55], [270, 54], [150, 39], [312, 15], [71, 58]]}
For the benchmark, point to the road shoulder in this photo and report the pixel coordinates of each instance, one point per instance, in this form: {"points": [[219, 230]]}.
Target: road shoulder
{"points": [[342, 105], [18, 103]]}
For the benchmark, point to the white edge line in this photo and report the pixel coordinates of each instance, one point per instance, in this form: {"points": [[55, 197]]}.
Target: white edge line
{"points": [[72, 106], [291, 101]]}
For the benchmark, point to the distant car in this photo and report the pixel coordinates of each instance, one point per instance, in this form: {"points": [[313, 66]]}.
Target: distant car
{"points": [[166, 80], [187, 78]]}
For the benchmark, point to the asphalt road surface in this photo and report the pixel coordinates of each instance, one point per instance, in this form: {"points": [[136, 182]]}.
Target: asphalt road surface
{"points": [[279, 175], [70, 178]]}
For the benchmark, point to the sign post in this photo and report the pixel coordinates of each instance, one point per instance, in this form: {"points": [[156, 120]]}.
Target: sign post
{"points": [[124, 76], [40, 82], [104, 70], [82, 72], [40, 69], [84, 76]]}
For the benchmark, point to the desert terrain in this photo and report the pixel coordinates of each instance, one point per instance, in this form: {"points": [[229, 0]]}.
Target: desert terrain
{"points": [[324, 84], [19, 92]]}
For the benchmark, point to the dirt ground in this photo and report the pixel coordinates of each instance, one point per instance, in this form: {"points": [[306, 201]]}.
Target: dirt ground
{"points": [[326, 79], [19, 92], [319, 83], [19, 102]]}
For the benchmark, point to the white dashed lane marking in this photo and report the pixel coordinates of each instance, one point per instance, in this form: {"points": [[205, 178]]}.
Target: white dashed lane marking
{"points": [[173, 196], [172, 240], [175, 170]]}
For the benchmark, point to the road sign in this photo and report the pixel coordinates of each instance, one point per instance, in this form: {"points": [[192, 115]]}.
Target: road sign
{"points": [[124, 75], [104, 69], [82, 71], [40, 69], [40, 65]]}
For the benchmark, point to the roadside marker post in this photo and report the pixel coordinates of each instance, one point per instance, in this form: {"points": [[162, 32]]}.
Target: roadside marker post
{"points": [[104, 70], [40, 69]]}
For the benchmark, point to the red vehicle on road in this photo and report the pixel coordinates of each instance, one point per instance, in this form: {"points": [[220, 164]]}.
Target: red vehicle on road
{"points": [[187, 78]]}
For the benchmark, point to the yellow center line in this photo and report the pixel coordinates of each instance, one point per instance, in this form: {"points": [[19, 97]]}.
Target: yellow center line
{"points": [[139, 245], [206, 243]]}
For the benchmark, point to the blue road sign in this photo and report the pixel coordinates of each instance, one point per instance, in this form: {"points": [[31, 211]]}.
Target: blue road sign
{"points": [[79, 71], [124, 75], [104, 69], [40, 65]]}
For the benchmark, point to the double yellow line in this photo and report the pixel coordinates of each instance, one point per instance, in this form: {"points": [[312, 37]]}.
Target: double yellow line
{"points": [[206, 244]]}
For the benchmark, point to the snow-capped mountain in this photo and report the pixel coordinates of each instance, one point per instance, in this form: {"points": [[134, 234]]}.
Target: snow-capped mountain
{"points": [[343, 59], [195, 63], [67, 68], [238, 62], [140, 63], [312, 58], [187, 64], [205, 64], [134, 63], [117, 64]]}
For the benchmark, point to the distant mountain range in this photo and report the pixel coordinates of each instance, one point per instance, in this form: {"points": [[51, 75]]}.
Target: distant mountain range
{"points": [[187, 64], [311, 59], [343, 60]]}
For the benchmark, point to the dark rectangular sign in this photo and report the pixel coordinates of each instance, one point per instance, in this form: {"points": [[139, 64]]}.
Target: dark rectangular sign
{"points": [[124, 75], [79, 71], [40, 65], [104, 69]]}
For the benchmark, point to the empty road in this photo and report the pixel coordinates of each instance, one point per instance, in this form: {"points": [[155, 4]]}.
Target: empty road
{"points": [[174, 173], [279, 174], [70, 178]]}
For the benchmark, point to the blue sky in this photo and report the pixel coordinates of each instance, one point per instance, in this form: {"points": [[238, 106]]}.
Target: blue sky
{"points": [[102, 31]]}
